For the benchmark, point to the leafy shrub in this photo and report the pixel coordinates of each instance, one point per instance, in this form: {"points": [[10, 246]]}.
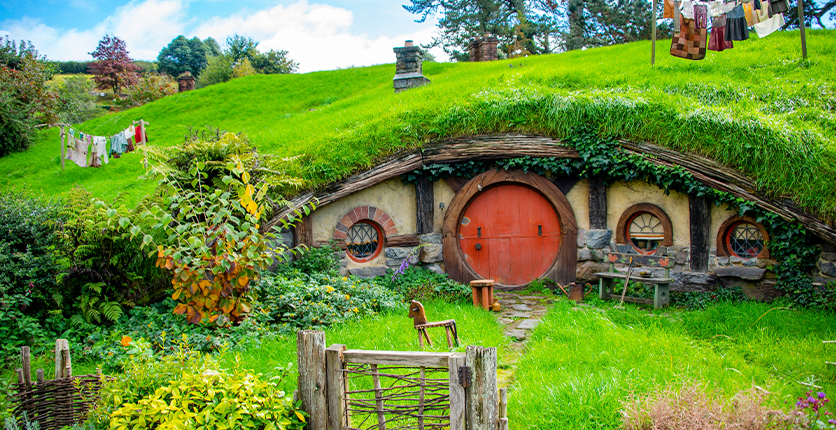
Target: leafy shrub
{"points": [[322, 259], [191, 390], [700, 299], [79, 104], [148, 88], [314, 301], [218, 69], [418, 283]]}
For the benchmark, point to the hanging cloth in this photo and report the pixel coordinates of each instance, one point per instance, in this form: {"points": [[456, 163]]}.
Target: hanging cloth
{"points": [[736, 26], [691, 42], [140, 138], [77, 153], [717, 41], [667, 12], [770, 26], [101, 148], [687, 9], [750, 13], [701, 16], [778, 6]]}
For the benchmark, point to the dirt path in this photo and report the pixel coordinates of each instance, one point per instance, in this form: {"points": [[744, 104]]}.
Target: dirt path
{"points": [[520, 315]]}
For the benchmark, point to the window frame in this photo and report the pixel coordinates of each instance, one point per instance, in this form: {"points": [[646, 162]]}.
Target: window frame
{"points": [[380, 239], [622, 234], [724, 233]]}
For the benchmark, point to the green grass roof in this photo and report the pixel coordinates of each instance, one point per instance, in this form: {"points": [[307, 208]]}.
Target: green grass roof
{"points": [[757, 108]]}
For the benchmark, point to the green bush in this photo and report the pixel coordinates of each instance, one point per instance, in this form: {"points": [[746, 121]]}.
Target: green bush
{"points": [[322, 259], [418, 283], [79, 104], [315, 301], [150, 87]]}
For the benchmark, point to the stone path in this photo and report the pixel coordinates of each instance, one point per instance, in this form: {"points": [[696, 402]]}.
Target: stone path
{"points": [[520, 314]]}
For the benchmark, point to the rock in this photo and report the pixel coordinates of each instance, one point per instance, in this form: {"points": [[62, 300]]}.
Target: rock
{"points": [[344, 262], [519, 334], [528, 324], [396, 262], [431, 253], [434, 238], [822, 280], [586, 271], [343, 271], [752, 262], [435, 268], [736, 260], [600, 255], [517, 315], [722, 261], [368, 272], [682, 256], [581, 238], [828, 269], [763, 263], [584, 254], [505, 321], [395, 252], [747, 273], [597, 239], [520, 307], [828, 256], [625, 249], [692, 281]]}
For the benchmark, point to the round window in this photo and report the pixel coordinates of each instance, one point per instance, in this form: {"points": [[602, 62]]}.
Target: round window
{"points": [[645, 232], [744, 240], [362, 242]]}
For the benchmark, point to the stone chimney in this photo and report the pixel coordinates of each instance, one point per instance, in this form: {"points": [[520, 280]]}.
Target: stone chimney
{"points": [[408, 69], [185, 82], [483, 48]]}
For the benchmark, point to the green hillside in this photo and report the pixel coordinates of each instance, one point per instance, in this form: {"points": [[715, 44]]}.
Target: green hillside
{"points": [[757, 108]]}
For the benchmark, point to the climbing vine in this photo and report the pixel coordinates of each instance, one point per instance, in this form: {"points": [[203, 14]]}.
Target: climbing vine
{"points": [[603, 158]]}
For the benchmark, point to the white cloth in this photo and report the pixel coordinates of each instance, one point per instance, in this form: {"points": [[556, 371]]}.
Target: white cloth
{"points": [[717, 8], [129, 133], [771, 25], [687, 9], [101, 147]]}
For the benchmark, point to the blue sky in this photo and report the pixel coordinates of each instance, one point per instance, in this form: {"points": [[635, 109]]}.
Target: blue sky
{"points": [[319, 34]]}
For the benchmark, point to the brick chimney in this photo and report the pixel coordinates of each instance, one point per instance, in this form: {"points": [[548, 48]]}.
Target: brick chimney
{"points": [[185, 82], [408, 69], [483, 48]]}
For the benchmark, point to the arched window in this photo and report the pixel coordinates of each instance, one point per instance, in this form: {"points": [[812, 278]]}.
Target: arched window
{"points": [[742, 237], [363, 241], [645, 227]]}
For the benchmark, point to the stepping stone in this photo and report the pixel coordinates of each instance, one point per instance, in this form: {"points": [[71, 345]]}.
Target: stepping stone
{"points": [[517, 315], [532, 297], [506, 302], [505, 321], [519, 334], [528, 324], [520, 307]]}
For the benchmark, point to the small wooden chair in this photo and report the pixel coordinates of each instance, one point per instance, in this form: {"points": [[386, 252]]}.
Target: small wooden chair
{"points": [[419, 319]]}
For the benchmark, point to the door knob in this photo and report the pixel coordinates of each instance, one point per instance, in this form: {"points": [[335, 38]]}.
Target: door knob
{"points": [[478, 246]]}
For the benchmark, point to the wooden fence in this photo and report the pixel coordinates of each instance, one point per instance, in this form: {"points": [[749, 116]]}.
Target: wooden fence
{"points": [[349, 389]]}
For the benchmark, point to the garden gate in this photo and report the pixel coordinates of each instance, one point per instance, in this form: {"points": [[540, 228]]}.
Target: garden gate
{"points": [[349, 389]]}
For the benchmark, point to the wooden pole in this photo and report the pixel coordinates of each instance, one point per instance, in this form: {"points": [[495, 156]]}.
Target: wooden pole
{"points": [[27, 368], [310, 354], [63, 147], [378, 394], [142, 136], [63, 365], [482, 396], [335, 392], [801, 27], [653, 25], [457, 392]]}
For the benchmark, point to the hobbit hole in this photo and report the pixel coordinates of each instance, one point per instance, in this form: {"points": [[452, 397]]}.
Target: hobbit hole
{"points": [[480, 220]]}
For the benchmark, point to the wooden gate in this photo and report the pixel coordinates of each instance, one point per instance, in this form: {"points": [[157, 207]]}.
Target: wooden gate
{"points": [[397, 389]]}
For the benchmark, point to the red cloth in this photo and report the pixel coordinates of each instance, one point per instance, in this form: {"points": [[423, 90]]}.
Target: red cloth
{"points": [[717, 41], [138, 135]]}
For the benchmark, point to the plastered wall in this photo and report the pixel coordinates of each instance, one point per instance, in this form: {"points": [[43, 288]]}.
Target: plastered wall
{"points": [[622, 195]]}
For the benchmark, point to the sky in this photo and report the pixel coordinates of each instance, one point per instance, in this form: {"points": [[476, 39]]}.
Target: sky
{"points": [[318, 34]]}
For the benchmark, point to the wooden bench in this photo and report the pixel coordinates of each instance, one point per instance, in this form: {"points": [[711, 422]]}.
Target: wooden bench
{"points": [[661, 291]]}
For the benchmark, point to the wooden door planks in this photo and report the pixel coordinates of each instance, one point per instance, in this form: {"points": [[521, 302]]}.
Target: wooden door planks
{"points": [[424, 205]]}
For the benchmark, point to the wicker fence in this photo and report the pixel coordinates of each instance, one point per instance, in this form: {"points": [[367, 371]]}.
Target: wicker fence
{"points": [[58, 402]]}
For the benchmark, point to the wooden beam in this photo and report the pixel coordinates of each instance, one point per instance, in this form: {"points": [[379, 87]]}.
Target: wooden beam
{"points": [[700, 217], [801, 27], [335, 387], [310, 356], [495, 147], [457, 392], [456, 182], [397, 358], [424, 205], [403, 240], [597, 204]]}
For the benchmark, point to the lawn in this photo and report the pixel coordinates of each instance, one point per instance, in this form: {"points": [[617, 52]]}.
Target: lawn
{"points": [[757, 108], [582, 363]]}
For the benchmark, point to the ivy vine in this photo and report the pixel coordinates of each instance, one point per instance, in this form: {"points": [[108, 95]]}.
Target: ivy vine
{"points": [[790, 244]]}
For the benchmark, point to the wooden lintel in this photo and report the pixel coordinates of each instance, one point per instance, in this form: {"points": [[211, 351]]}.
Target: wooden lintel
{"points": [[397, 358]]}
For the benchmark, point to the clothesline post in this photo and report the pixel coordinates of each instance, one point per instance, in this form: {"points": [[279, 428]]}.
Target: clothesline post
{"points": [[63, 147], [142, 125], [653, 24], [801, 26]]}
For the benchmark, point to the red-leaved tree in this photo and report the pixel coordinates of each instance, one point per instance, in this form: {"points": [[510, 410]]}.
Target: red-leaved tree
{"points": [[113, 67]]}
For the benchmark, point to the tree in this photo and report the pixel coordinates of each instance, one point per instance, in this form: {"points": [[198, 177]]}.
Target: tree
{"points": [[25, 97], [813, 11], [79, 103], [218, 69], [212, 46], [274, 62], [113, 67], [242, 68], [239, 47], [183, 55]]}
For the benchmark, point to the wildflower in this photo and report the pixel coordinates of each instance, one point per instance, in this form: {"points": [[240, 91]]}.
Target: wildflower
{"points": [[820, 394], [347, 297], [345, 278], [355, 310], [126, 340], [329, 288]]}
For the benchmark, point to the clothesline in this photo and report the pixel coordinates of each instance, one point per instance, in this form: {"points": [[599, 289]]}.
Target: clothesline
{"points": [[76, 146], [730, 21]]}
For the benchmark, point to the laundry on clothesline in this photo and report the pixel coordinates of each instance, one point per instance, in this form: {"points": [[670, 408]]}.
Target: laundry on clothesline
{"points": [[93, 151]]}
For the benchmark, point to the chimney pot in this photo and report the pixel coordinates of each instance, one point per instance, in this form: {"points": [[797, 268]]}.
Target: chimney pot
{"points": [[408, 43]]}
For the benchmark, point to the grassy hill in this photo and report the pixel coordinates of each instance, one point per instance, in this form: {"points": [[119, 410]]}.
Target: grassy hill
{"points": [[757, 108]]}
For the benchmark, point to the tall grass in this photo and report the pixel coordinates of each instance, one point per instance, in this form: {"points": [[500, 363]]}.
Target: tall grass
{"points": [[757, 108], [581, 364]]}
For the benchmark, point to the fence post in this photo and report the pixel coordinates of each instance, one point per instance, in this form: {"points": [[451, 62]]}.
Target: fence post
{"points": [[457, 394], [336, 387], [503, 409], [482, 396], [63, 364], [310, 354]]}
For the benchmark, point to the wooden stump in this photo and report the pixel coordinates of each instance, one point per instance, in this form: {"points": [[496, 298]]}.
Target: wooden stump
{"points": [[310, 354]]}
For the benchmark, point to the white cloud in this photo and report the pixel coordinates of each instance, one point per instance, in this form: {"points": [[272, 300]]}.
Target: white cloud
{"points": [[318, 36]]}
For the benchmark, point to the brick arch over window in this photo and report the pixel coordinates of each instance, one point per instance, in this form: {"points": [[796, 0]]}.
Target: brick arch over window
{"points": [[365, 213], [722, 250], [621, 229]]}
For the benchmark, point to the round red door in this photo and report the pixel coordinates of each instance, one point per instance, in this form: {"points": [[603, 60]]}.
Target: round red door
{"points": [[510, 233]]}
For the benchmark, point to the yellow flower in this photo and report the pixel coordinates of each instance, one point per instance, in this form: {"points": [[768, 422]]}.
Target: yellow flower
{"points": [[355, 310], [347, 297], [126, 340], [345, 278], [329, 288]]}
